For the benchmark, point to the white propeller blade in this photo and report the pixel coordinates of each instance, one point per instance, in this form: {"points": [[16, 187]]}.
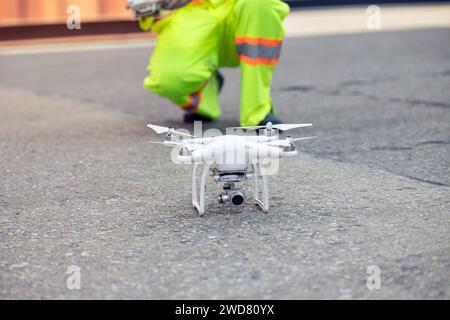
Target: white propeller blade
{"points": [[287, 141], [282, 127], [160, 130], [286, 127], [167, 144], [304, 138]]}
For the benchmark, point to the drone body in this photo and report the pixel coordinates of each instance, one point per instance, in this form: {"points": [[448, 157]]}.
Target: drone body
{"points": [[231, 159]]}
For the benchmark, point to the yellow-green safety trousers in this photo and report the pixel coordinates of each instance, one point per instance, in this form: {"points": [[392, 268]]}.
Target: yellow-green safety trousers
{"points": [[196, 40]]}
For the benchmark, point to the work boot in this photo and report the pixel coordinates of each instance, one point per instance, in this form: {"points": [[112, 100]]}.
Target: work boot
{"points": [[191, 117], [271, 117], [220, 79]]}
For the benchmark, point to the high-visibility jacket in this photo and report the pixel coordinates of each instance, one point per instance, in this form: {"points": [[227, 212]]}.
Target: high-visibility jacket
{"points": [[199, 38]]}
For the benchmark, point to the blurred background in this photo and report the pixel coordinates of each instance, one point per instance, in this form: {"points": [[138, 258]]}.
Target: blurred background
{"points": [[35, 12], [31, 19]]}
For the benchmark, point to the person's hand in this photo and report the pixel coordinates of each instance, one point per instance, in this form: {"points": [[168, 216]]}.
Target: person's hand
{"points": [[144, 8]]}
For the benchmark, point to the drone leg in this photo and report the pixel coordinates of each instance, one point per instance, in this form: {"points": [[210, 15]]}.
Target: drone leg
{"points": [[199, 204], [203, 189], [255, 184], [194, 185], [264, 205]]}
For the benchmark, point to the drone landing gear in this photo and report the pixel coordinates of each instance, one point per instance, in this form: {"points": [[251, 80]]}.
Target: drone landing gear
{"points": [[199, 202], [264, 204]]}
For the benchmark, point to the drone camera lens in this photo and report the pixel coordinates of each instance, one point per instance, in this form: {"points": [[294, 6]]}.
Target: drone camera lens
{"points": [[237, 199]]}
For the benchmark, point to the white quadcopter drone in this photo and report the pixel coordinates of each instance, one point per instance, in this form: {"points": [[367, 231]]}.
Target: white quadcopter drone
{"points": [[232, 158]]}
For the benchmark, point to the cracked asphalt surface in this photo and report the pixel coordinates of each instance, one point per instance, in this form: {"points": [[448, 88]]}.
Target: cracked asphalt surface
{"points": [[82, 186]]}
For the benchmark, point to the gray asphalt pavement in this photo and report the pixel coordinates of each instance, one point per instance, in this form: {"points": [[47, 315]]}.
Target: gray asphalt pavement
{"points": [[81, 185]]}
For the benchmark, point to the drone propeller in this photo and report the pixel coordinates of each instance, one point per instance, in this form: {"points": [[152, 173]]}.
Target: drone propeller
{"points": [[287, 141], [170, 131], [158, 142], [167, 144], [281, 127], [190, 147], [303, 138]]}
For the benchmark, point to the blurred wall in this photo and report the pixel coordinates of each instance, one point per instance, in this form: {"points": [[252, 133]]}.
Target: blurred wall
{"points": [[23, 12]]}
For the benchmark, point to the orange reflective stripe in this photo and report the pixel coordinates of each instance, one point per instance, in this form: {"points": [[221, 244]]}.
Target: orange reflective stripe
{"points": [[258, 50], [258, 41], [194, 102], [258, 61], [194, 99], [187, 105], [197, 1]]}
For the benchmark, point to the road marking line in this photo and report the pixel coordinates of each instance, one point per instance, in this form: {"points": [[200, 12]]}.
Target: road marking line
{"points": [[79, 47], [325, 21]]}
